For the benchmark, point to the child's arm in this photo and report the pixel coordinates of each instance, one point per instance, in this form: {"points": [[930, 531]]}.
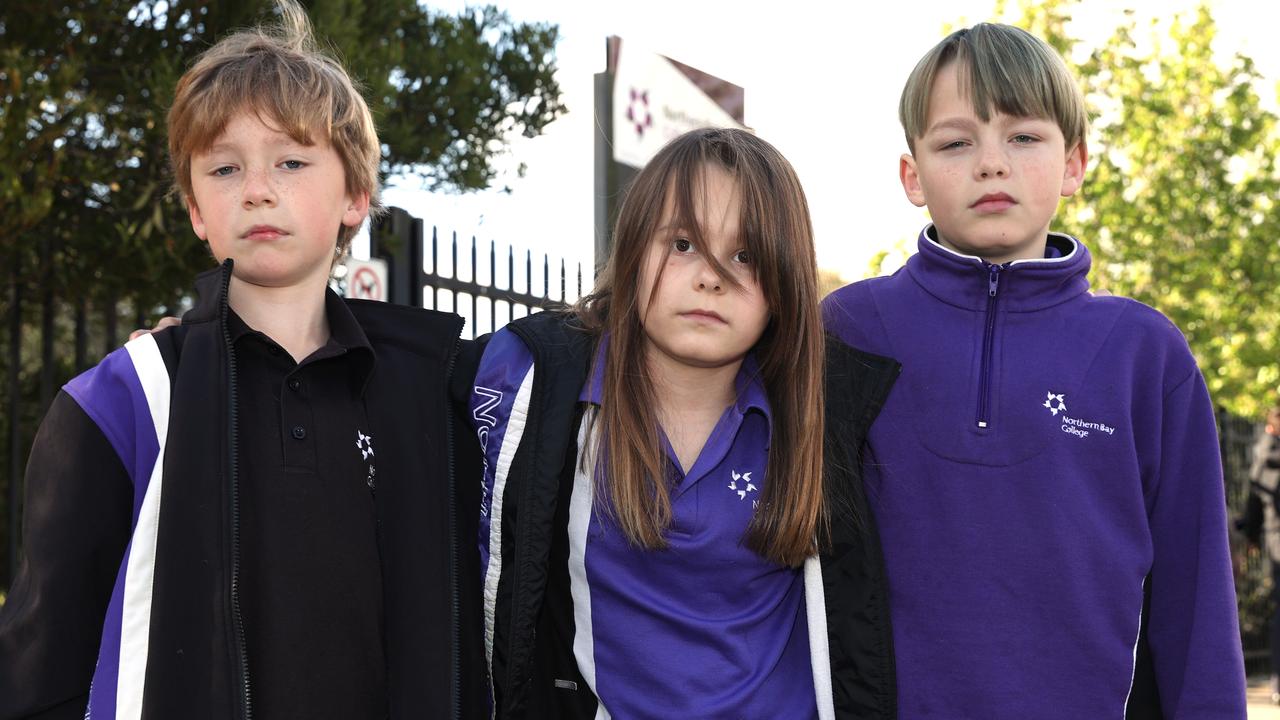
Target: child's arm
{"points": [[76, 523], [1194, 631]]}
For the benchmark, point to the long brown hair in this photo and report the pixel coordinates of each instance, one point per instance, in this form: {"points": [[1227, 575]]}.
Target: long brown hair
{"points": [[778, 237]]}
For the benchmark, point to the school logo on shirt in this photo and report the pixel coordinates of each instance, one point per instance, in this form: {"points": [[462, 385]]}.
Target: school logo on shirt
{"points": [[1056, 404], [364, 443], [741, 484]]}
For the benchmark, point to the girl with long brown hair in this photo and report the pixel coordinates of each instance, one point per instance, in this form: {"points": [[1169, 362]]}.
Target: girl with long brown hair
{"points": [[673, 523]]}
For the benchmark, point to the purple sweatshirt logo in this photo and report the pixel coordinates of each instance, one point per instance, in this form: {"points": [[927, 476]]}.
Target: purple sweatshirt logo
{"points": [[1060, 406], [1057, 403]]}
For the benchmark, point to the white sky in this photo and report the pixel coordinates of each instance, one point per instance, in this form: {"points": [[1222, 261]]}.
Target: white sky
{"points": [[822, 83]]}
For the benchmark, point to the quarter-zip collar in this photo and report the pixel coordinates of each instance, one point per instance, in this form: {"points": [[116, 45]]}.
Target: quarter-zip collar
{"points": [[1024, 285]]}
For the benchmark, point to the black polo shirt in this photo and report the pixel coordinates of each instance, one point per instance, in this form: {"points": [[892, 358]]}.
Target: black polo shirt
{"points": [[311, 583]]}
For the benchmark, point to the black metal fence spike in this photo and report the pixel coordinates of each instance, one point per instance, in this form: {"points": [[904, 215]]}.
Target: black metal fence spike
{"points": [[434, 286]]}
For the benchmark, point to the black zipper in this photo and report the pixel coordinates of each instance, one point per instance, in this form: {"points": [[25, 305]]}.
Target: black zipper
{"points": [[454, 629], [988, 342], [237, 619]]}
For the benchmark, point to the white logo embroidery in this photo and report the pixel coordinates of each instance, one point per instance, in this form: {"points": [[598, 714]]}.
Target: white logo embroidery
{"points": [[364, 444], [1057, 403], [486, 420], [747, 486], [1061, 405]]}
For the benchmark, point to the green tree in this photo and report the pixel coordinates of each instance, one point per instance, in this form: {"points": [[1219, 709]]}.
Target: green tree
{"points": [[1179, 203], [888, 260]]}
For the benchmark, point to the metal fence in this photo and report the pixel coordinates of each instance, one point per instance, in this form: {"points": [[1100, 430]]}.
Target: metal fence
{"points": [[40, 331], [418, 277], [1253, 573]]}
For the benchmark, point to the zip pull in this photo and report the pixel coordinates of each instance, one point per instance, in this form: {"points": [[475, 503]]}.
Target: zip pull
{"points": [[984, 380]]}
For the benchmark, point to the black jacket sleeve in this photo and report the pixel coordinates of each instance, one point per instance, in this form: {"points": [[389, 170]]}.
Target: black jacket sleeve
{"points": [[76, 524]]}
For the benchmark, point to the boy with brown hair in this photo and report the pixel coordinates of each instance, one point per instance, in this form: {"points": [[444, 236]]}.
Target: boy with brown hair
{"points": [[255, 513], [1045, 473]]}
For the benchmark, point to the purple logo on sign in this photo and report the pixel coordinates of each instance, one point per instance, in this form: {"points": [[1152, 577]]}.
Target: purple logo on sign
{"points": [[638, 111]]}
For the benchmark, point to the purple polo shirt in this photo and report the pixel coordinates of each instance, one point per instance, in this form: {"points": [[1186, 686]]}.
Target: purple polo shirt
{"points": [[705, 627]]}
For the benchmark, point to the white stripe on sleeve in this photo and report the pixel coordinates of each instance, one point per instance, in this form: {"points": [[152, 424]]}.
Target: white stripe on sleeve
{"points": [[580, 507], [135, 625], [510, 441], [815, 606]]}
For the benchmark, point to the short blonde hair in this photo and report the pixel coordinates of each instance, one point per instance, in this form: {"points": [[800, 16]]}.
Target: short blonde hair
{"points": [[280, 75], [1005, 68]]}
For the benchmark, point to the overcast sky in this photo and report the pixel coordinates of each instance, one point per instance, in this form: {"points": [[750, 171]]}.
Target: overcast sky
{"points": [[822, 83]]}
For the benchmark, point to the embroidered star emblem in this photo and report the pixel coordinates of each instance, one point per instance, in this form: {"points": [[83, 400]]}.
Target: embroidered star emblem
{"points": [[364, 444], [746, 487], [1061, 405]]}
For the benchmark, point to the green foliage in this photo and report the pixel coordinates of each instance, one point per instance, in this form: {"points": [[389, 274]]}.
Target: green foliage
{"points": [[888, 261], [1179, 205], [488, 79]]}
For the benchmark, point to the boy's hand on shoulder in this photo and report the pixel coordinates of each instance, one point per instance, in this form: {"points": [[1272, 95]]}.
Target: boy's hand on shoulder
{"points": [[165, 322]]}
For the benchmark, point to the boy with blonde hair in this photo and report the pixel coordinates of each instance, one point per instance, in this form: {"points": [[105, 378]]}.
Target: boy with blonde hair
{"points": [[1045, 474], [256, 513]]}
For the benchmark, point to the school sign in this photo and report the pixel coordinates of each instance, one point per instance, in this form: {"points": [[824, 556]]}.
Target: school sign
{"points": [[643, 100]]}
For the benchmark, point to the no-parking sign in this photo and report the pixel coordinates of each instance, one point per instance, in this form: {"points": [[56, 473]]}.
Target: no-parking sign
{"points": [[367, 279]]}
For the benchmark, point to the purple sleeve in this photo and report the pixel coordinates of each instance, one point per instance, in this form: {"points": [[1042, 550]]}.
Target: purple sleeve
{"points": [[1194, 631]]}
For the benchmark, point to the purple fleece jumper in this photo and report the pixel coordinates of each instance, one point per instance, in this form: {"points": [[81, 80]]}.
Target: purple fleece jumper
{"points": [[1048, 487]]}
